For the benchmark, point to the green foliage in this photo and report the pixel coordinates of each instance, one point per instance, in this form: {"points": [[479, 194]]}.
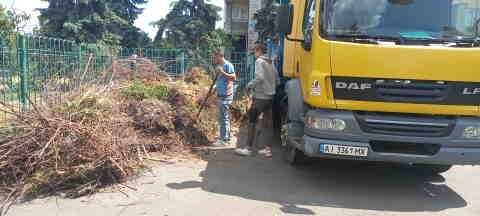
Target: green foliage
{"points": [[140, 91], [215, 39], [6, 24], [94, 21], [87, 108], [190, 25], [11, 22]]}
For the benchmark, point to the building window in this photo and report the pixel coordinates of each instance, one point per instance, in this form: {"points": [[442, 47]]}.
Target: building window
{"points": [[240, 12]]}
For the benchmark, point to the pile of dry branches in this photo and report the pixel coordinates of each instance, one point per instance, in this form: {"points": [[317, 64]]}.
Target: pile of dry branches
{"points": [[101, 134], [75, 147], [137, 68]]}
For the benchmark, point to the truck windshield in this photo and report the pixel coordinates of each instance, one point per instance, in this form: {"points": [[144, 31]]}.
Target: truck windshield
{"points": [[406, 19]]}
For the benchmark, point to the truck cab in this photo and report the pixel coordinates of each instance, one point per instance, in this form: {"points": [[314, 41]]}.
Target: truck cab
{"points": [[382, 80]]}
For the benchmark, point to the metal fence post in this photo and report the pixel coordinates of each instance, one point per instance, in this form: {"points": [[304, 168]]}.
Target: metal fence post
{"points": [[23, 71], [80, 58], [134, 66], [182, 62]]}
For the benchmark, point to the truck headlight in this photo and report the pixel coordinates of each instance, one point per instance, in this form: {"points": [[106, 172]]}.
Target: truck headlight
{"points": [[471, 132], [325, 124]]}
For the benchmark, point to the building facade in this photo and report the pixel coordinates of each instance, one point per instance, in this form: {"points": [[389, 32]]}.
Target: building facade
{"points": [[240, 24]]}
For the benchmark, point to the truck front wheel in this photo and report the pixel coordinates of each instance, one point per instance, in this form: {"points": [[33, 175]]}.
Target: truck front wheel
{"points": [[291, 154], [294, 156], [293, 109]]}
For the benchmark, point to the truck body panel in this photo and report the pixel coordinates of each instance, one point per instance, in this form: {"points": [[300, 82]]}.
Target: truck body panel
{"points": [[406, 62], [446, 149], [387, 93], [290, 59]]}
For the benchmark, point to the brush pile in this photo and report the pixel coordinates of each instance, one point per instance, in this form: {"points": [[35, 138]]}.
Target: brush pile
{"points": [[101, 135], [137, 68], [75, 147]]}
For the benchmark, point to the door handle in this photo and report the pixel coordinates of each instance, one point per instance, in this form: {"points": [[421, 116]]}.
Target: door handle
{"points": [[298, 67]]}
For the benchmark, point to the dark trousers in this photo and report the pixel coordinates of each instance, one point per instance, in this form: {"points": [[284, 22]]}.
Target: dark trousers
{"points": [[259, 106]]}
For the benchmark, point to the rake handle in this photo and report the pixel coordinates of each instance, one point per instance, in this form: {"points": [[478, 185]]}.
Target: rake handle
{"points": [[206, 98]]}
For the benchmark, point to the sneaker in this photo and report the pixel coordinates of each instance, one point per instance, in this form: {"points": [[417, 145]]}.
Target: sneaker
{"points": [[267, 152], [232, 141], [243, 152], [219, 143], [228, 143]]}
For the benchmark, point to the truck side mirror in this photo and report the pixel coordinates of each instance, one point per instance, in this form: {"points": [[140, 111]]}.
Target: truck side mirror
{"points": [[284, 19]]}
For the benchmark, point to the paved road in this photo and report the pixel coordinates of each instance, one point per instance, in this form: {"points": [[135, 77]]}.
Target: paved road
{"points": [[223, 184]]}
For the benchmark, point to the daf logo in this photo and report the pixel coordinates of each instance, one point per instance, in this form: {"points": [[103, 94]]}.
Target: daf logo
{"points": [[471, 91], [353, 85]]}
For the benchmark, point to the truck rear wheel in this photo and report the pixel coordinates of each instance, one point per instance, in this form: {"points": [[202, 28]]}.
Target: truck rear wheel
{"points": [[432, 169]]}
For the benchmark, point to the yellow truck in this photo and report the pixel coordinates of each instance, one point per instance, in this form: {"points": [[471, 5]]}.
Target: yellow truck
{"points": [[382, 80]]}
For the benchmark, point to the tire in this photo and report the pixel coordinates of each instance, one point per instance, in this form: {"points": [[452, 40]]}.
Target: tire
{"points": [[277, 110], [292, 127], [294, 156], [432, 169]]}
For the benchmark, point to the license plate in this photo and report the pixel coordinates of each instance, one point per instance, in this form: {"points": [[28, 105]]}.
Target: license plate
{"points": [[344, 150]]}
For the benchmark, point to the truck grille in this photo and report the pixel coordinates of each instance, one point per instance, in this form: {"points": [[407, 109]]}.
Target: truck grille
{"points": [[405, 148], [405, 125], [399, 91], [406, 91]]}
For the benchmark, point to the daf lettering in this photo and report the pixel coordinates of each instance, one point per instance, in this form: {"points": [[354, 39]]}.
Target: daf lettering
{"points": [[353, 86], [471, 91]]}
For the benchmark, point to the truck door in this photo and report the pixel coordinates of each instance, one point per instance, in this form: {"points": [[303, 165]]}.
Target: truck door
{"points": [[304, 61], [291, 48]]}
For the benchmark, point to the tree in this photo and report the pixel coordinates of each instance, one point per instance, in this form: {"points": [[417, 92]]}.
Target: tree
{"points": [[12, 21], [128, 9], [94, 21], [190, 25], [5, 23], [187, 24]]}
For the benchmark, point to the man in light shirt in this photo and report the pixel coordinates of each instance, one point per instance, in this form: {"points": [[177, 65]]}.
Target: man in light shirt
{"points": [[263, 89], [225, 89]]}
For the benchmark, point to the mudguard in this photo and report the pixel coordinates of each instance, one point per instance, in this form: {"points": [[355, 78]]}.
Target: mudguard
{"points": [[296, 104]]}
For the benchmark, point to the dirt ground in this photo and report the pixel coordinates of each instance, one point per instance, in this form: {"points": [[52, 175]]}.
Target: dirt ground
{"points": [[220, 183]]}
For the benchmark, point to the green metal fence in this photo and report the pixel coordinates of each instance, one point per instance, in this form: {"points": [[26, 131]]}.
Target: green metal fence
{"points": [[244, 64], [36, 68], [171, 61], [33, 68]]}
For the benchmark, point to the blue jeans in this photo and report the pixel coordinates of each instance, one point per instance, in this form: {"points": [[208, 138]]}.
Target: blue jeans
{"points": [[224, 117]]}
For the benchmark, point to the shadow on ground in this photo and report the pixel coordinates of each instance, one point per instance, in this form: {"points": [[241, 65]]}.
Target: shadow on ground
{"points": [[324, 183]]}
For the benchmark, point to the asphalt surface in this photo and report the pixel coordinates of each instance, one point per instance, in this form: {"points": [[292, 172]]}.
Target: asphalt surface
{"points": [[220, 183]]}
